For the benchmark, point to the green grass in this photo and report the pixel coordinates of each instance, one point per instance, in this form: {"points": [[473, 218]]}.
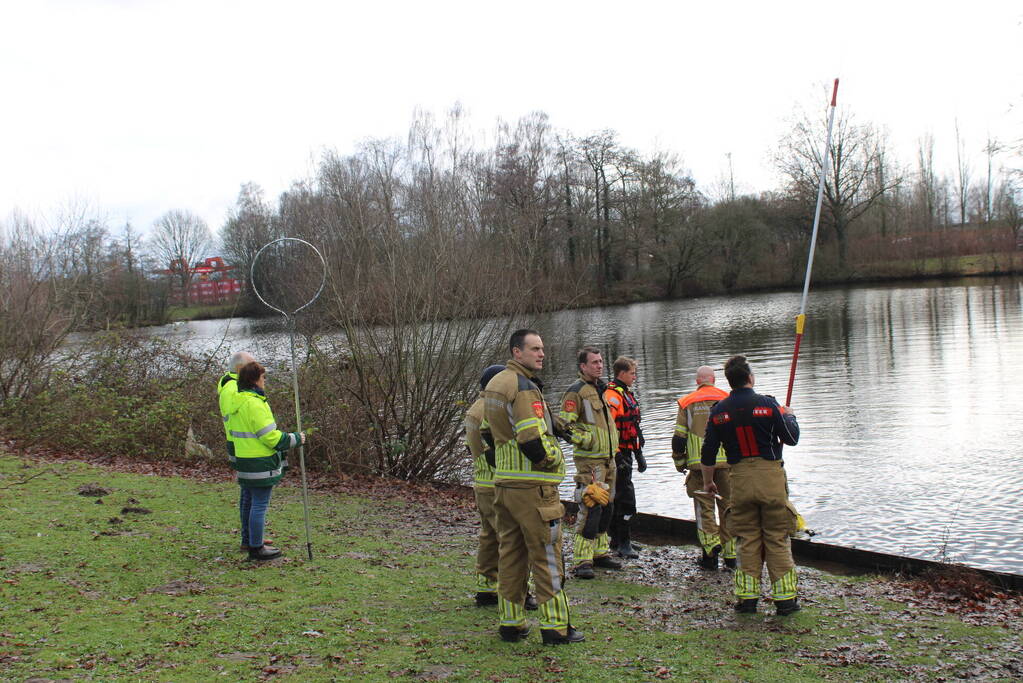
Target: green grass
{"points": [[168, 596], [175, 313]]}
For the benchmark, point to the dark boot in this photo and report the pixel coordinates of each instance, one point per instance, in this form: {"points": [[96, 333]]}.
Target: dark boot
{"points": [[625, 548], [709, 561], [606, 562], [584, 571], [786, 607], [263, 552], [747, 606], [513, 634], [530, 603], [731, 563], [486, 599], [552, 637]]}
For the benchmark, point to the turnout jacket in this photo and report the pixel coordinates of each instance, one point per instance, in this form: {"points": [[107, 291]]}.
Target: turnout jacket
{"points": [[525, 450], [691, 425], [258, 444], [227, 391], [480, 443], [748, 425], [586, 419]]}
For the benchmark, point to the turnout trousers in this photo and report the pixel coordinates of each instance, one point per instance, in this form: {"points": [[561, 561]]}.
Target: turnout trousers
{"points": [[762, 518], [591, 541], [711, 530], [529, 534], [487, 552]]}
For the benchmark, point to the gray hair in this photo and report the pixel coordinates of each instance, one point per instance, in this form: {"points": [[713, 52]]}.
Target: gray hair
{"points": [[238, 359]]}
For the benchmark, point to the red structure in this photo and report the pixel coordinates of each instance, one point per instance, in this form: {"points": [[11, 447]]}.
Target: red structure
{"points": [[211, 283]]}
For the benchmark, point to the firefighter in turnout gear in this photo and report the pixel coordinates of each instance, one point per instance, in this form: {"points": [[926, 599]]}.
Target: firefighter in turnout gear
{"points": [[752, 428], [690, 426], [625, 410], [587, 423], [529, 466], [480, 443]]}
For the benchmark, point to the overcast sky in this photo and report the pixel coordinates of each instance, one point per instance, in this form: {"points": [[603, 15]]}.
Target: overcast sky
{"points": [[138, 107]]}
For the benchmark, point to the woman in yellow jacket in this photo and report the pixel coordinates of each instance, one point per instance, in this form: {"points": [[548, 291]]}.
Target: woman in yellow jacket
{"points": [[258, 456]]}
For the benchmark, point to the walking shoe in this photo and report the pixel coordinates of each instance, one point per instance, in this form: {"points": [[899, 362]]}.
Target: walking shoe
{"points": [[746, 606], [786, 607], [627, 551], [263, 552], [552, 637], [606, 562], [486, 599], [513, 634], [530, 603], [731, 563], [584, 571]]}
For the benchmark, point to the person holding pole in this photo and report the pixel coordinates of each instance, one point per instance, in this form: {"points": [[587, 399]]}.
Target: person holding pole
{"points": [[752, 428], [686, 444], [625, 410], [529, 466], [258, 450], [587, 422]]}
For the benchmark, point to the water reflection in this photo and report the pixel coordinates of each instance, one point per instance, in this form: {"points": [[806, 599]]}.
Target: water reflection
{"points": [[907, 396]]}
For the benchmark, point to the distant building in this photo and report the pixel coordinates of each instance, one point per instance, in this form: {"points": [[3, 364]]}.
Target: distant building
{"points": [[211, 283]]}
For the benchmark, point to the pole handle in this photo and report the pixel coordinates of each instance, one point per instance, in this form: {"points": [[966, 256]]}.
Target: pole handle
{"points": [[834, 93]]}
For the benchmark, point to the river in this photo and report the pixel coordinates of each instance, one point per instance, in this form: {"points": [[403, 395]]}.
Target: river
{"points": [[909, 398]]}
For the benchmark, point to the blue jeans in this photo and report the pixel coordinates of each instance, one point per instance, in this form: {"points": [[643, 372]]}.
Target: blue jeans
{"points": [[252, 505]]}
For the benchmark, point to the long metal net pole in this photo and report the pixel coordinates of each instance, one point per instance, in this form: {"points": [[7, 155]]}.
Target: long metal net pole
{"points": [[301, 446], [801, 318]]}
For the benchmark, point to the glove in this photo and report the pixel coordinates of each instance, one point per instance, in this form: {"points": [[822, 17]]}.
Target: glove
{"points": [[640, 462], [595, 495]]}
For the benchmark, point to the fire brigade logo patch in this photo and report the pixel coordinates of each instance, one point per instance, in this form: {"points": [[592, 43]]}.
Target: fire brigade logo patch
{"points": [[538, 409], [570, 406], [763, 411], [721, 418]]}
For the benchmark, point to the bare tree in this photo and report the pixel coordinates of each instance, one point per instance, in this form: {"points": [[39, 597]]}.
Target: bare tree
{"points": [[852, 186], [180, 239], [963, 176]]}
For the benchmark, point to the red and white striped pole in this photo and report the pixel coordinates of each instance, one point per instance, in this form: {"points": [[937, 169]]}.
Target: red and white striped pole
{"points": [[801, 318]]}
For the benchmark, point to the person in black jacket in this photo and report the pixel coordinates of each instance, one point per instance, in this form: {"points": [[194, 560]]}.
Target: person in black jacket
{"points": [[752, 428]]}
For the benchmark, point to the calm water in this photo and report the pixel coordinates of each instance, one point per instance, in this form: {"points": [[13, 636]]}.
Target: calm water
{"points": [[908, 397]]}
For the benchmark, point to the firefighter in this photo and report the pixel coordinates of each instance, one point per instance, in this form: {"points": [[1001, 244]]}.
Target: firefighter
{"points": [[752, 428], [528, 466], [587, 423], [625, 410], [690, 426], [480, 443], [258, 449]]}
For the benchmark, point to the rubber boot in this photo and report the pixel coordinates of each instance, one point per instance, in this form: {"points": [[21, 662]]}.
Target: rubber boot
{"points": [[584, 571], [746, 606], [263, 552], [625, 548], [486, 599], [513, 634], [786, 607], [606, 562], [552, 637], [709, 562]]}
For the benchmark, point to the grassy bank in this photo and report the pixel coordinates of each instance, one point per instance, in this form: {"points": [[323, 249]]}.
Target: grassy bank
{"points": [[145, 582]]}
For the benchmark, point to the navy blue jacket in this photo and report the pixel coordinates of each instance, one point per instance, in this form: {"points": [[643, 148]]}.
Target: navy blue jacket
{"points": [[749, 425]]}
